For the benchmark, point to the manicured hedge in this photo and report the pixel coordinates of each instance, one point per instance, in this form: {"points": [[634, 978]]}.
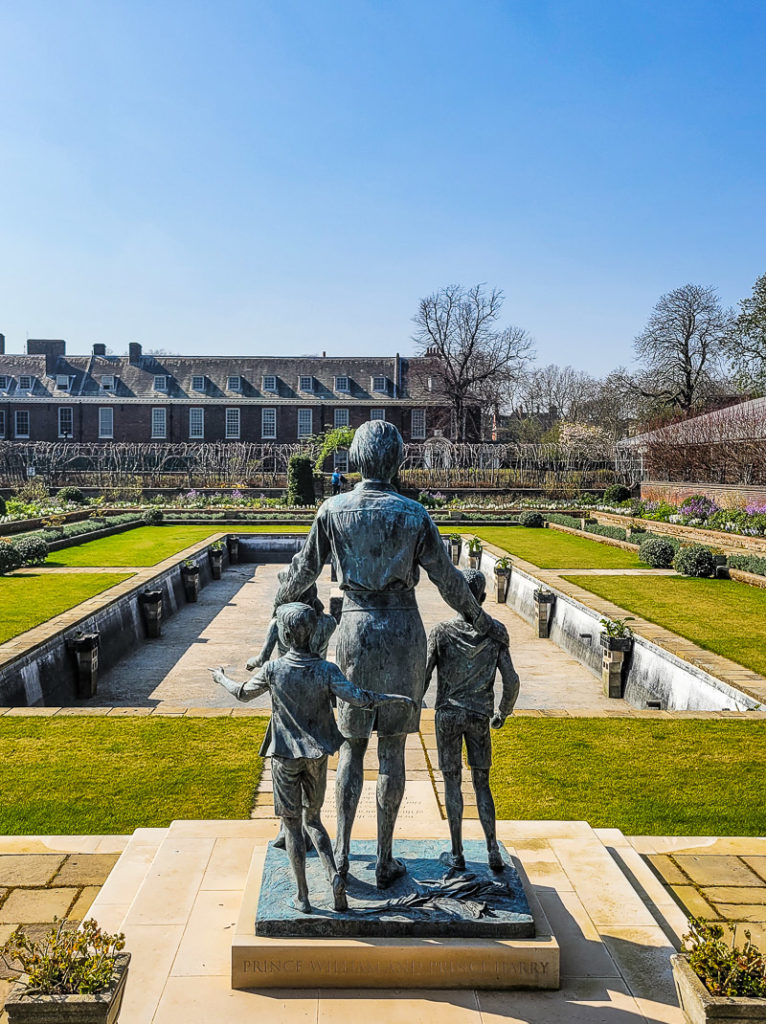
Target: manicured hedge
{"points": [[563, 520], [615, 532], [748, 563]]}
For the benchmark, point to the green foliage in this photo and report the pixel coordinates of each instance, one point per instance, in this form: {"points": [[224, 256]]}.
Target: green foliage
{"points": [[99, 776], [616, 494], [656, 552], [475, 546], [718, 615], [694, 560], [10, 558], [153, 517], [503, 564], [532, 519], [300, 481], [65, 962], [617, 627], [330, 442], [33, 550], [748, 563], [563, 520], [33, 490], [70, 494], [723, 968], [624, 773], [615, 532]]}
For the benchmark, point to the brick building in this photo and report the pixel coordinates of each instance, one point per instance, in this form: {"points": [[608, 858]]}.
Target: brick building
{"points": [[47, 395]]}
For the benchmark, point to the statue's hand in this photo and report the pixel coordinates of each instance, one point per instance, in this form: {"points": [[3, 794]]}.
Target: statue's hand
{"points": [[498, 721], [218, 675], [254, 663]]}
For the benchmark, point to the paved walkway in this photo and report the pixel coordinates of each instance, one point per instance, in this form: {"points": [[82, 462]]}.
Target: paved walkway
{"points": [[229, 622]]}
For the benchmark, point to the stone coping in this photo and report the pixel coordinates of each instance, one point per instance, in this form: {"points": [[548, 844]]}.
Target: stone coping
{"points": [[735, 675], [24, 643]]}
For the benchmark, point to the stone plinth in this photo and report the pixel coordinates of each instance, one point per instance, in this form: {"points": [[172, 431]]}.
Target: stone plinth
{"points": [[420, 904], [262, 962]]}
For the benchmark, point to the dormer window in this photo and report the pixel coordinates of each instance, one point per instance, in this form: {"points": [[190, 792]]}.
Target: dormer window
{"points": [[234, 383], [305, 383], [198, 383], [62, 381], [342, 383], [269, 382], [107, 381], [160, 383], [26, 382], [5, 382], [380, 383]]}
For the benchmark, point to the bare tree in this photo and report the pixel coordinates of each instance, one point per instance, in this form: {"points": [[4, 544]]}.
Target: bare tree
{"points": [[477, 360], [683, 347], [748, 346]]}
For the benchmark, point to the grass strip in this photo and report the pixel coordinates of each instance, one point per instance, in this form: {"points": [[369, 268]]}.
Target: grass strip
{"points": [[671, 777], [148, 545], [723, 616], [26, 601], [550, 549], [113, 775]]}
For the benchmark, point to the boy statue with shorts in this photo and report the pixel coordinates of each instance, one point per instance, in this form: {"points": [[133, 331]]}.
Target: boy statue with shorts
{"points": [[466, 661], [303, 733]]}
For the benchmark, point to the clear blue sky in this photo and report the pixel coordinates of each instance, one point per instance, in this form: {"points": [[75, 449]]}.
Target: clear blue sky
{"points": [[251, 177]]}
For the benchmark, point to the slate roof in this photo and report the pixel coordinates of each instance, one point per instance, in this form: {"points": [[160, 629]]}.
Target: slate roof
{"points": [[406, 378]]}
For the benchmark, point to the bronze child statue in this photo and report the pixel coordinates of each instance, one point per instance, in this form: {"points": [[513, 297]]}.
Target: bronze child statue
{"points": [[466, 661], [303, 734]]}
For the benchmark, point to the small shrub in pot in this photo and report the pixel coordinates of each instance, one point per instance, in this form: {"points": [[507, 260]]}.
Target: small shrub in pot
{"points": [[656, 552], [531, 519], [694, 560]]}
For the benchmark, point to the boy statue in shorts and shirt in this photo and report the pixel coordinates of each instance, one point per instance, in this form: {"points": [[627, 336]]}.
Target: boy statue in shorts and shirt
{"points": [[303, 733], [466, 662]]}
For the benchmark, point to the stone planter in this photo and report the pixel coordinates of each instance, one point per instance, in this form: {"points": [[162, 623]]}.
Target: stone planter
{"points": [[474, 559], [150, 602], [232, 543], [544, 607], [700, 1007], [84, 647], [455, 547], [216, 564], [502, 582], [613, 663], [190, 580], [99, 1008]]}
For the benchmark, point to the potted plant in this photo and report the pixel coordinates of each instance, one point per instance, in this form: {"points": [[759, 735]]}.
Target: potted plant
{"points": [[190, 579], [617, 640], [455, 546], [616, 634], [216, 559], [475, 548], [69, 975], [544, 601], [717, 980], [502, 578]]}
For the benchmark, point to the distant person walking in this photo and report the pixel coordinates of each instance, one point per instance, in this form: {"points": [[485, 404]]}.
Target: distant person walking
{"points": [[337, 482]]}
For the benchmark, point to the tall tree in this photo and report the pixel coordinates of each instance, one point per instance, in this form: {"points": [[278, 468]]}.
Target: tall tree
{"points": [[683, 348], [748, 346], [478, 360]]}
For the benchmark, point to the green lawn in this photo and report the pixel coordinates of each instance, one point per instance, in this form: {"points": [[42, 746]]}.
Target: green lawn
{"points": [[644, 777], [148, 545], [113, 775], [719, 615], [26, 601], [550, 549]]}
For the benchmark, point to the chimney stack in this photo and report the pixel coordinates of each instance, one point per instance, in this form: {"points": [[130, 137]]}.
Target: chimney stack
{"points": [[2, 344], [134, 352], [99, 349], [52, 350]]}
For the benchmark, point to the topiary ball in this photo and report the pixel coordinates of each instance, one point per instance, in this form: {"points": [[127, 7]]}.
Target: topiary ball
{"points": [[32, 550], [532, 519], [656, 552], [153, 517], [72, 494], [695, 560], [616, 494], [10, 559]]}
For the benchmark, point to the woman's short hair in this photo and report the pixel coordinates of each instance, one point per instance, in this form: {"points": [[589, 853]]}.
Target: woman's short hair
{"points": [[377, 450]]}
